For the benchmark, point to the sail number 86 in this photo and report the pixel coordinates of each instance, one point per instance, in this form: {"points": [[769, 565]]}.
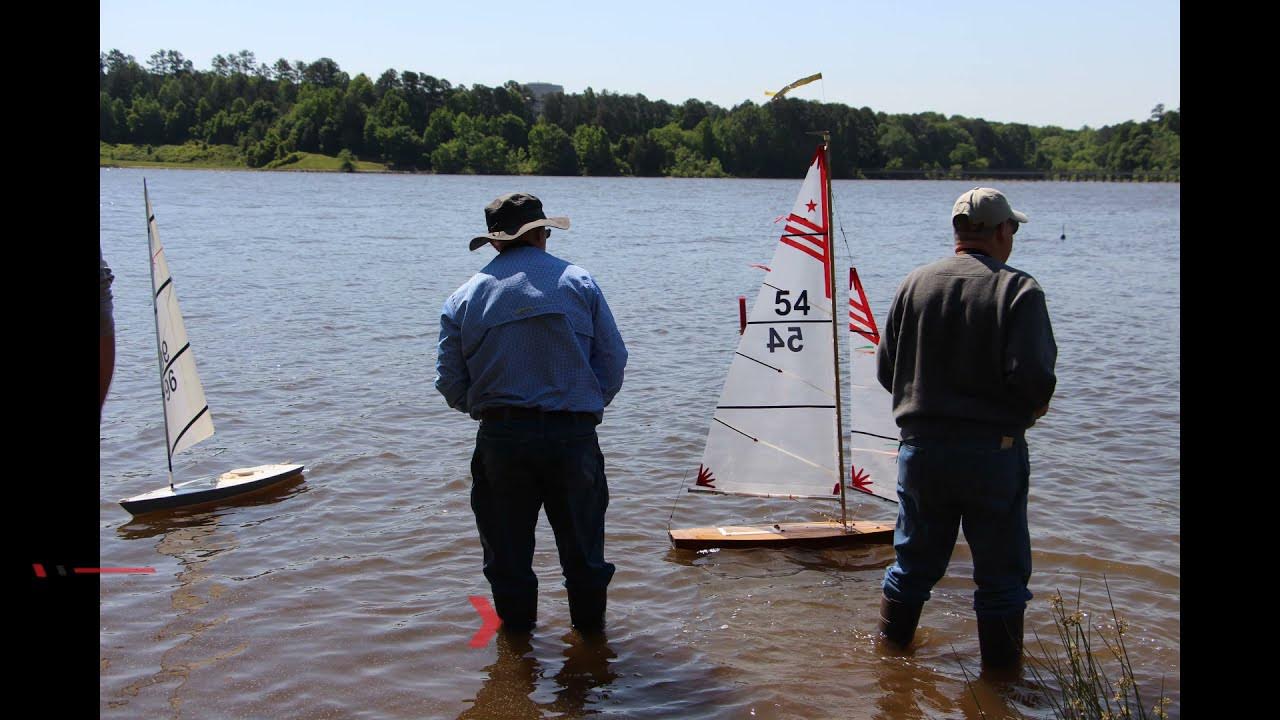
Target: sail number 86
{"points": [[169, 384], [169, 381]]}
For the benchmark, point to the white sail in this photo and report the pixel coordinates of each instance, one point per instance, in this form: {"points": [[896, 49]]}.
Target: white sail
{"points": [[186, 414], [775, 431], [873, 435]]}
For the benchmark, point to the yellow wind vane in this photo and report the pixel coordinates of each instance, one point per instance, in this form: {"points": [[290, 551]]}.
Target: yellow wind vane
{"points": [[792, 86]]}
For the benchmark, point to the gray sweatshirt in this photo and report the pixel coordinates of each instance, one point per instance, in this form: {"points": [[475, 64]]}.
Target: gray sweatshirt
{"points": [[968, 350]]}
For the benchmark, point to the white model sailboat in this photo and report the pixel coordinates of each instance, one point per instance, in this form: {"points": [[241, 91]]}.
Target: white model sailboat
{"points": [[186, 414], [776, 430]]}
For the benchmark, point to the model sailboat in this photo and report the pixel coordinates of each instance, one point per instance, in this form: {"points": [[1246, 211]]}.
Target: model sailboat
{"points": [[776, 430], [186, 414]]}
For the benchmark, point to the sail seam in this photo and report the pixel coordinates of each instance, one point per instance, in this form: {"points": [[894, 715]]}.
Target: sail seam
{"points": [[787, 496], [784, 322], [178, 439], [173, 360], [768, 407], [882, 437]]}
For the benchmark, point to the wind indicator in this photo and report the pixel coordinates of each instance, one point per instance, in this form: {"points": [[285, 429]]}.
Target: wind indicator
{"points": [[792, 86]]}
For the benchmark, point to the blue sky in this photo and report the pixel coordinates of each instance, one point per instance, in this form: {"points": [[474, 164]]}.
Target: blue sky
{"points": [[1068, 64]]}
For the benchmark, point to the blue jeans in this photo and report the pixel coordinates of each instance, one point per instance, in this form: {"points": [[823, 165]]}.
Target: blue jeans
{"points": [[518, 467], [946, 484]]}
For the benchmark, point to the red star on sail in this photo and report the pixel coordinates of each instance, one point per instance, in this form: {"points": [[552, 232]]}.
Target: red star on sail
{"points": [[859, 479], [812, 205]]}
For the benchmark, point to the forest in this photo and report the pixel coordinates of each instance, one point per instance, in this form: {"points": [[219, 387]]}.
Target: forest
{"points": [[265, 115]]}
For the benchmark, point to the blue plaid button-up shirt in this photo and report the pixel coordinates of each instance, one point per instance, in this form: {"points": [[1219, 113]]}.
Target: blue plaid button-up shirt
{"points": [[529, 330]]}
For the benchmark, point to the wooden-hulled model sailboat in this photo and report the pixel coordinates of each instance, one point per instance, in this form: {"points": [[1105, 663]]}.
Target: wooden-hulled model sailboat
{"points": [[776, 430], [186, 414]]}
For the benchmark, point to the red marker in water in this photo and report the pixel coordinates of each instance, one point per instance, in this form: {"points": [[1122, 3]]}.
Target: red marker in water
{"points": [[490, 622]]}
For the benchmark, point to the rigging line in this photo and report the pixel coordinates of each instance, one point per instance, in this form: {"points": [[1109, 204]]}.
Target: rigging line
{"points": [[840, 224], [784, 451], [871, 494], [877, 451], [808, 234], [683, 480], [758, 361], [734, 429]]}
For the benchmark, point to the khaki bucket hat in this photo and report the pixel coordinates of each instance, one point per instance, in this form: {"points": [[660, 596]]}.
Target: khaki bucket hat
{"points": [[511, 215]]}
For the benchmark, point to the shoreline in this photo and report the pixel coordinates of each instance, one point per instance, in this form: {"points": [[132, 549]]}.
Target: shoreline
{"points": [[196, 157], [863, 175]]}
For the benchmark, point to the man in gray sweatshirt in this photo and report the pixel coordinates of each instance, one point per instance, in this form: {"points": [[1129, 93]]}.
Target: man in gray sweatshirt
{"points": [[968, 353]]}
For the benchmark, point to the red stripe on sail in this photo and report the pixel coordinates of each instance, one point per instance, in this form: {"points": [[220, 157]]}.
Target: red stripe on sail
{"points": [[861, 319], [809, 238], [817, 242], [804, 221], [807, 249]]}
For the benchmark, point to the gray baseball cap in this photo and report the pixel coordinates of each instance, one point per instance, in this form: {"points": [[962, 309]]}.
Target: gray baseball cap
{"points": [[987, 206]]}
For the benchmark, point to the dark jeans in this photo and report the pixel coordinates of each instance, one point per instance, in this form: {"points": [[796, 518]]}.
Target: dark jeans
{"points": [[944, 485], [519, 466]]}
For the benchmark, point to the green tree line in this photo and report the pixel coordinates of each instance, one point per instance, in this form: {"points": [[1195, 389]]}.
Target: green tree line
{"points": [[414, 121]]}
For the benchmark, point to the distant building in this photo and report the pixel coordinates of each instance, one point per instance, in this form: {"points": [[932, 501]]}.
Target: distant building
{"points": [[540, 91]]}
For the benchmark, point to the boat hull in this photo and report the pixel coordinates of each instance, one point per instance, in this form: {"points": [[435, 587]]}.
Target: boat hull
{"points": [[227, 487], [809, 534]]}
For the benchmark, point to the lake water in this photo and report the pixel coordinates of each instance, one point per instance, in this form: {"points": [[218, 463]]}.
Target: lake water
{"points": [[312, 304]]}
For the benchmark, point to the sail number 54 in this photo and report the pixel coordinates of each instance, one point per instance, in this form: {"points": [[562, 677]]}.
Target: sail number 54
{"points": [[793, 342], [785, 306]]}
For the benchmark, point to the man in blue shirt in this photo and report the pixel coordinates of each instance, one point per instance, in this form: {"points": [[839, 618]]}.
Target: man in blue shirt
{"points": [[529, 348]]}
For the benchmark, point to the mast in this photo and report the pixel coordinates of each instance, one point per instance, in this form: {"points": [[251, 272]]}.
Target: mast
{"points": [[835, 325], [155, 313]]}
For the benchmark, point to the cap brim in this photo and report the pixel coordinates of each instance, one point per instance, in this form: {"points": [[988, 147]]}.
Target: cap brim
{"points": [[561, 223], [1019, 216]]}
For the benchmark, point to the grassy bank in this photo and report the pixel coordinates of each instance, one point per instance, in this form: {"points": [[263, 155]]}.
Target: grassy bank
{"points": [[220, 157]]}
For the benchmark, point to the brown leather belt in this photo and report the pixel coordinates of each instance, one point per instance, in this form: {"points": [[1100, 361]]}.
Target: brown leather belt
{"points": [[524, 413]]}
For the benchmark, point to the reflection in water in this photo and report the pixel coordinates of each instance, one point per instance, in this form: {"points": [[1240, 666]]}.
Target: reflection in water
{"points": [[913, 690], [191, 540], [515, 673], [192, 537], [910, 692]]}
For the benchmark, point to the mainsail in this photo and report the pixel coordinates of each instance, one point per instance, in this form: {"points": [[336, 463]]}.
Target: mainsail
{"points": [[776, 429], [186, 414], [873, 435]]}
